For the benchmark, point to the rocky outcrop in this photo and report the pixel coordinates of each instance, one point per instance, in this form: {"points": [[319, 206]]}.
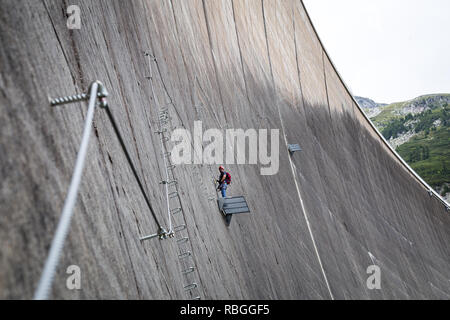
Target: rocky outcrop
{"points": [[367, 103], [421, 104]]}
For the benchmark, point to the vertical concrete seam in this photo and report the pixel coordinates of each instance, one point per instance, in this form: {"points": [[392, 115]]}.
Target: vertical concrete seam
{"points": [[240, 50], [296, 61], [60, 43], [213, 59], [293, 168], [182, 56], [326, 92], [116, 206]]}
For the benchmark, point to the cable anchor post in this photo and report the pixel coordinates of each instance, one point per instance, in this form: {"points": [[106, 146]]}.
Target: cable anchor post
{"points": [[162, 234], [102, 94]]}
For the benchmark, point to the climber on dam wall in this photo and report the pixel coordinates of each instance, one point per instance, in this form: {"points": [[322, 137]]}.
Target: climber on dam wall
{"points": [[224, 181]]}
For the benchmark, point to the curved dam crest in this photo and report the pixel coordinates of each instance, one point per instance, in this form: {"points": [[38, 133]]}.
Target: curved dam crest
{"points": [[341, 205]]}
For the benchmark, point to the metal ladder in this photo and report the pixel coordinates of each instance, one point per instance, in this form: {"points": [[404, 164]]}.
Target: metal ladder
{"points": [[177, 222], [175, 209]]}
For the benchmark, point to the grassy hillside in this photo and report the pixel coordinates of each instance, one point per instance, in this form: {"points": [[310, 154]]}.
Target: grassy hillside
{"points": [[396, 110], [427, 120], [429, 155]]}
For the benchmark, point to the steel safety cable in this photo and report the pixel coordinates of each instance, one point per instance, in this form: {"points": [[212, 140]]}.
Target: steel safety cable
{"points": [[130, 162], [169, 215], [57, 245]]}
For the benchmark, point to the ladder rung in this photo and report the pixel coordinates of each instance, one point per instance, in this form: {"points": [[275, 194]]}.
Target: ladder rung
{"points": [[190, 287], [183, 240], [173, 195], [175, 211], [180, 228], [184, 255], [171, 182], [188, 270]]}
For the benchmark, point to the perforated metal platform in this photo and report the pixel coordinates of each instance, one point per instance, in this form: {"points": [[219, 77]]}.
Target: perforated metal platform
{"points": [[234, 205]]}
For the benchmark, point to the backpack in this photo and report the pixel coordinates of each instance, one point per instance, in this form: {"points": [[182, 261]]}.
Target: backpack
{"points": [[228, 178]]}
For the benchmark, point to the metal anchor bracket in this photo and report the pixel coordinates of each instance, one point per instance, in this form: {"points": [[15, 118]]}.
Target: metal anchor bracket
{"points": [[162, 235], [147, 54], [102, 95]]}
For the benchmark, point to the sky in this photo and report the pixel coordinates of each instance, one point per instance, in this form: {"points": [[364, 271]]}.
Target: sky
{"points": [[387, 50]]}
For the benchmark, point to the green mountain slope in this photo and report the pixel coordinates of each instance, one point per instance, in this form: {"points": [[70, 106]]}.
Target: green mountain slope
{"points": [[429, 156], [419, 129]]}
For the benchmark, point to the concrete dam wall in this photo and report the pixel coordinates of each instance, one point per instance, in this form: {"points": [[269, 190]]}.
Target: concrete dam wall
{"points": [[342, 204]]}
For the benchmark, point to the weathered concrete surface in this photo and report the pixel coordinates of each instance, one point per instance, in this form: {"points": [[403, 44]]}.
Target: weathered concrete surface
{"points": [[343, 204]]}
